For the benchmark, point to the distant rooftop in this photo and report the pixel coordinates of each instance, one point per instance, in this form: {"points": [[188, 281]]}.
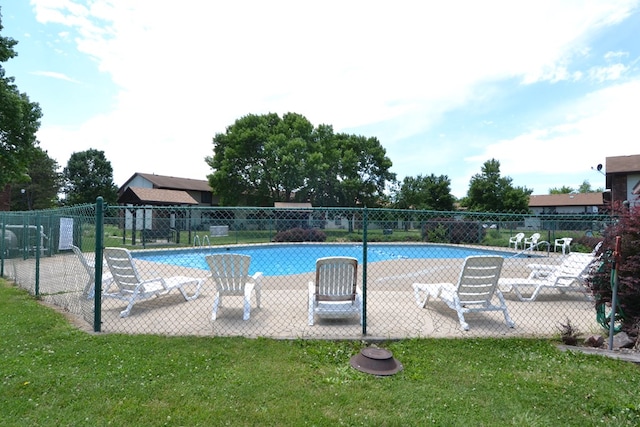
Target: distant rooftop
{"points": [[573, 199], [623, 164]]}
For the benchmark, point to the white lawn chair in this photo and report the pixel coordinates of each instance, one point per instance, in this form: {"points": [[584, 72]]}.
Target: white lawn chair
{"points": [[230, 273], [566, 277], [531, 242], [131, 287], [335, 293], [474, 292], [88, 262], [564, 243], [516, 240]]}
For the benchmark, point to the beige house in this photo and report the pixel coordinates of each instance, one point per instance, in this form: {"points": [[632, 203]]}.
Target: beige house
{"points": [[623, 179], [156, 204], [567, 204], [160, 190]]}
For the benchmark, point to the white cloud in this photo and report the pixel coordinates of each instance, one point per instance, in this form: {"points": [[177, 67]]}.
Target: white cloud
{"points": [[611, 72], [55, 75], [614, 56], [599, 125], [185, 72]]}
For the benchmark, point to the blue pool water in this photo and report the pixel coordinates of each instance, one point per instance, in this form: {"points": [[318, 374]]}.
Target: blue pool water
{"points": [[277, 260]]}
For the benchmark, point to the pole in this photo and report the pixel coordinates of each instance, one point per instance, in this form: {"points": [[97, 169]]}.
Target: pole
{"points": [[614, 291], [365, 225], [97, 280], [38, 246]]}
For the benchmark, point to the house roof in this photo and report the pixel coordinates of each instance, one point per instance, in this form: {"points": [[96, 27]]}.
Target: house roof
{"points": [[573, 199], [623, 164], [172, 182], [156, 196], [292, 205]]}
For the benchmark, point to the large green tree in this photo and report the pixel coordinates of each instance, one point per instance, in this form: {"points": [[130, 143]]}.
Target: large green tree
{"points": [[19, 122], [261, 159], [490, 192], [426, 192], [562, 190], [41, 190], [585, 187], [89, 174]]}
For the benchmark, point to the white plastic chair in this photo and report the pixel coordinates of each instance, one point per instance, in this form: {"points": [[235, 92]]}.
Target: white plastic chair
{"points": [[564, 243], [569, 276], [532, 241], [474, 292], [88, 262], [516, 240], [335, 293], [131, 287], [230, 273]]}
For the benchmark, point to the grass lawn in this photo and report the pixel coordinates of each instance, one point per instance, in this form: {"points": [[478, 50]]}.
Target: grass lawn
{"points": [[55, 374]]}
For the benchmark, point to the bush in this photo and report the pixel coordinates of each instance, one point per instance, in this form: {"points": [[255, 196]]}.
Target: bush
{"points": [[628, 267], [585, 243], [452, 231], [300, 235]]}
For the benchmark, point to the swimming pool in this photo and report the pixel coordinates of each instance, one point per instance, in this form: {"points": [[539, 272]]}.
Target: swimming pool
{"points": [[278, 260]]}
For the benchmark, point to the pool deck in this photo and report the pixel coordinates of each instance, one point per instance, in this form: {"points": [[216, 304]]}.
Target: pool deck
{"points": [[391, 310]]}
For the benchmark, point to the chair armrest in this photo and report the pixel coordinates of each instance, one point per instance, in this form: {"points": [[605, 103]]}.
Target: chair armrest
{"points": [[312, 293], [542, 267], [257, 280], [540, 270]]}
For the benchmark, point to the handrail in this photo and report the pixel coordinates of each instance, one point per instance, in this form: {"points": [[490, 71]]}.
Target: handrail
{"points": [[534, 247], [196, 241]]}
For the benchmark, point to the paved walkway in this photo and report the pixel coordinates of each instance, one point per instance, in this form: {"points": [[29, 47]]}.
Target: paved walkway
{"points": [[391, 309]]}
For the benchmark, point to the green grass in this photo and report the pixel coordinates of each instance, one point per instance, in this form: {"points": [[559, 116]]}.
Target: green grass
{"points": [[55, 374]]}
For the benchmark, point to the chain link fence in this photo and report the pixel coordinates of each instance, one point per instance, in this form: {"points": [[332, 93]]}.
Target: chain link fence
{"points": [[541, 276]]}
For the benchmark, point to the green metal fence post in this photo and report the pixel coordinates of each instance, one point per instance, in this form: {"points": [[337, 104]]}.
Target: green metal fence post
{"points": [[97, 280], [25, 236], [38, 236], [2, 244], [364, 271]]}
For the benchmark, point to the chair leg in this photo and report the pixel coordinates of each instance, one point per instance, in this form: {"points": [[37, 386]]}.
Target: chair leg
{"points": [[503, 305], [416, 293], [258, 295], [127, 311], [458, 308], [522, 298], [422, 303], [310, 306], [216, 302], [247, 307], [89, 289]]}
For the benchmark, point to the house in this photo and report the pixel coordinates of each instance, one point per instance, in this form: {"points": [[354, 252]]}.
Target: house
{"points": [[567, 204], [176, 191], [564, 205], [157, 204], [623, 179]]}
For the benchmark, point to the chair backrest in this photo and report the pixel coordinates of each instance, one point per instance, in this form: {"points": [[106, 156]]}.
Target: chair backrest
{"points": [[230, 272], [517, 238], [83, 260], [336, 279], [534, 237], [479, 278], [575, 264], [595, 250], [122, 268]]}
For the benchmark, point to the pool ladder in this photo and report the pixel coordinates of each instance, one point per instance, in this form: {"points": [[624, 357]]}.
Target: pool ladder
{"points": [[205, 239], [531, 249]]}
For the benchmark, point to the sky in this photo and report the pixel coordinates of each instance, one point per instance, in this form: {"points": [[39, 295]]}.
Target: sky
{"points": [[548, 88]]}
